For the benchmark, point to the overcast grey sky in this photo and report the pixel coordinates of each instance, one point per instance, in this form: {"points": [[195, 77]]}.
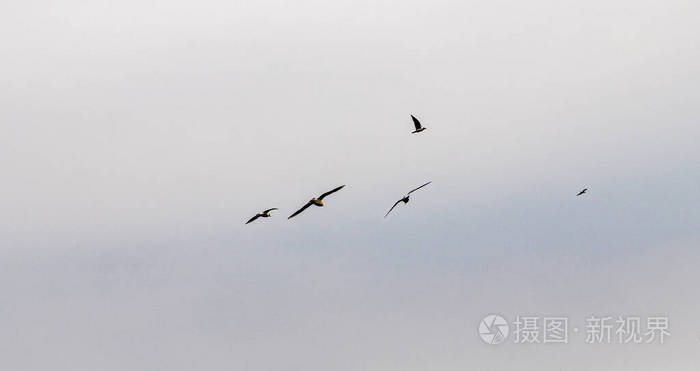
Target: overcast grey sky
{"points": [[139, 136]]}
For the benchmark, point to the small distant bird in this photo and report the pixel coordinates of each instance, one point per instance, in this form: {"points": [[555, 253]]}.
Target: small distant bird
{"points": [[316, 201], [405, 198], [264, 214], [582, 192], [417, 124]]}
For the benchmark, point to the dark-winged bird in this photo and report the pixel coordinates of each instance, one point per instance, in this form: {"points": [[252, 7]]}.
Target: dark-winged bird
{"points": [[582, 192], [264, 214], [405, 198], [316, 201], [417, 124]]}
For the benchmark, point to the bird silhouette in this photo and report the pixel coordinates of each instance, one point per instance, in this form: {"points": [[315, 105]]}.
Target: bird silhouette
{"points": [[316, 201], [405, 199], [417, 124], [582, 192], [264, 214]]}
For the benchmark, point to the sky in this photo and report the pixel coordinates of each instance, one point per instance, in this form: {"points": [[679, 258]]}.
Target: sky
{"points": [[139, 136]]}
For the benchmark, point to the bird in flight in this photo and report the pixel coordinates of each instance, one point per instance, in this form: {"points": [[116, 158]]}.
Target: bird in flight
{"points": [[264, 214], [417, 124], [316, 201], [582, 192], [405, 198]]}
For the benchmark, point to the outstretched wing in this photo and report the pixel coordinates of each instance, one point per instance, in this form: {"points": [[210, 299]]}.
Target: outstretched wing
{"points": [[392, 208], [416, 123], [268, 210], [300, 210], [331, 191], [253, 218], [419, 187], [582, 192]]}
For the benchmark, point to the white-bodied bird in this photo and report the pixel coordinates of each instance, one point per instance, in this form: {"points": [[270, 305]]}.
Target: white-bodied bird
{"points": [[315, 201], [417, 124], [264, 214]]}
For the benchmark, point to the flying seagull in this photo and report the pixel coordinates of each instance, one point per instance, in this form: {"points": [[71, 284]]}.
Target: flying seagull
{"points": [[316, 201], [405, 199], [417, 124], [264, 214], [582, 192]]}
